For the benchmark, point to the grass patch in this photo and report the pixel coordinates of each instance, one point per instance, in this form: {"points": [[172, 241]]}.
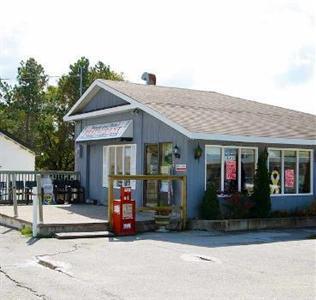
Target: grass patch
{"points": [[26, 231]]}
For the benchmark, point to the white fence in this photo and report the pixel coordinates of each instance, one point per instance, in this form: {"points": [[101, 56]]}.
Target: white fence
{"points": [[21, 186]]}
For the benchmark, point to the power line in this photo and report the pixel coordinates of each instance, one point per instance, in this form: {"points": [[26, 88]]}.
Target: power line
{"points": [[79, 75], [48, 76]]}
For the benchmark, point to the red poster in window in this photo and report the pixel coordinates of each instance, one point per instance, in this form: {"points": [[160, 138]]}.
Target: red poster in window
{"points": [[289, 178], [231, 170]]}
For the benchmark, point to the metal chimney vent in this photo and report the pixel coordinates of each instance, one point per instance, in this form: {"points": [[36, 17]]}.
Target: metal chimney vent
{"points": [[149, 78]]}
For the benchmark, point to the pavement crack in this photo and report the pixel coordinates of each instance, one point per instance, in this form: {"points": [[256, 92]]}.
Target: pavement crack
{"points": [[21, 285], [75, 248], [52, 266]]}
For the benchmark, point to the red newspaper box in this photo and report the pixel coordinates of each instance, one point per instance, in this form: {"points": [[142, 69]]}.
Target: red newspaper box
{"points": [[124, 213]]}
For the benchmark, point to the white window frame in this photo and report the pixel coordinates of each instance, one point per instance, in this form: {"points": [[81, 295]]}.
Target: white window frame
{"points": [[223, 162], [105, 164], [311, 152]]}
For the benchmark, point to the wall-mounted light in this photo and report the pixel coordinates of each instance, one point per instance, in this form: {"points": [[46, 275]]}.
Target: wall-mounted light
{"points": [[176, 151]]}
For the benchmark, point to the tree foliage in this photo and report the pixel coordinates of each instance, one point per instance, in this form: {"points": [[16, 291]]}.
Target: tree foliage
{"points": [[33, 111], [210, 209], [261, 193]]}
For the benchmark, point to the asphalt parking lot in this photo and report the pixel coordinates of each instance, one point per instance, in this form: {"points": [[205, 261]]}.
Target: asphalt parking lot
{"points": [[188, 265]]}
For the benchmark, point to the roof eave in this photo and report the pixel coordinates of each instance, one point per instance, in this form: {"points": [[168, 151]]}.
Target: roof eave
{"points": [[98, 113], [97, 84], [252, 139]]}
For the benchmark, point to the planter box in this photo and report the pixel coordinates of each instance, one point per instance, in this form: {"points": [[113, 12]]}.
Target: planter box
{"points": [[252, 224]]}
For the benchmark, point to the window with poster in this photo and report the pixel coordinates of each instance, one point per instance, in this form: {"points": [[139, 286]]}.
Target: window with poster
{"points": [[230, 168], [290, 171]]}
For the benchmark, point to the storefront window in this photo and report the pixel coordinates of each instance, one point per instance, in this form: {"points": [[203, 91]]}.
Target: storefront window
{"points": [[248, 168], [111, 161], [230, 170], [127, 163], [119, 160], [223, 165], [165, 158], [289, 172], [213, 167], [304, 172], [275, 168], [119, 163]]}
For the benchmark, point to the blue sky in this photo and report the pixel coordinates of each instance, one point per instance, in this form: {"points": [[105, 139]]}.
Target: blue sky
{"points": [[260, 50]]}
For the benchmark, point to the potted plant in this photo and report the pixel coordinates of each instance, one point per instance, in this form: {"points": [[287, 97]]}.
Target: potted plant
{"points": [[198, 152], [162, 217]]}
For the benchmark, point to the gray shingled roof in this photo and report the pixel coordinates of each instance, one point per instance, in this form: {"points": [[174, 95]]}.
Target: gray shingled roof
{"points": [[214, 113]]}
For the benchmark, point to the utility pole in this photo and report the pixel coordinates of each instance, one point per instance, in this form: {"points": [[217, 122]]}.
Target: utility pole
{"points": [[80, 76]]}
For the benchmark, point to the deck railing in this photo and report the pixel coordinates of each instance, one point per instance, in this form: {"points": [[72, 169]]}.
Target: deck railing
{"points": [[20, 184]]}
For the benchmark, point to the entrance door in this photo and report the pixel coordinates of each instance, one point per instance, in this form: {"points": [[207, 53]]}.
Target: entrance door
{"points": [[158, 160], [151, 168]]}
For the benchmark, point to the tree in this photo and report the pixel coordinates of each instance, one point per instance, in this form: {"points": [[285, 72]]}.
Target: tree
{"points": [[27, 99], [21, 105], [8, 118], [261, 193], [34, 113], [210, 209], [102, 71], [61, 99]]}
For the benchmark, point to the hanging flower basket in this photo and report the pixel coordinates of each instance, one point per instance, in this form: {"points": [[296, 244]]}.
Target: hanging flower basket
{"points": [[198, 152]]}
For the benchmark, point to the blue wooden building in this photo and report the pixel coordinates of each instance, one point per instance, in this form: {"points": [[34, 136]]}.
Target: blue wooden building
{"points": [[127, 128]]}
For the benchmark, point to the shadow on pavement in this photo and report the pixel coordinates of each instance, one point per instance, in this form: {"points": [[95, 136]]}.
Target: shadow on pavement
{"points": [[7, 231], [220, 239], [32, 241]]}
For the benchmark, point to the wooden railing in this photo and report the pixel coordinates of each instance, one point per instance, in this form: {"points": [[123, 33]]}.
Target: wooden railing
{"points": [[182, 178]]}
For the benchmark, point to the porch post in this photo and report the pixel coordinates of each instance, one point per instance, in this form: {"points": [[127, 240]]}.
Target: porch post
{"points": [[15, 202], [110, 200], [184, 202], [39, 197], [35, 211]]}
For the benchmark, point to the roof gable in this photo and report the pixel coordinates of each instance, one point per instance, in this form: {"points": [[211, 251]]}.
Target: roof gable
{"points": [[102, 100]]}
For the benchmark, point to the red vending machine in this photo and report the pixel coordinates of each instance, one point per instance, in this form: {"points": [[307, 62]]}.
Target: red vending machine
{"points": [[124, 213]]}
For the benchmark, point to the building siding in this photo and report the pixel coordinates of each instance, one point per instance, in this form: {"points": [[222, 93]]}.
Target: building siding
{"points": [[147, 129], [196, 178], [14, 157], [103, 99]]}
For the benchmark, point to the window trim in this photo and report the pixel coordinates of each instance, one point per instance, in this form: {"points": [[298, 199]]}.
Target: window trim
{"points": [[115, 186], [297, 150], [223, 162]]}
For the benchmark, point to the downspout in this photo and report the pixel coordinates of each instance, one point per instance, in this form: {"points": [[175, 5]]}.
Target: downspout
{"points": [[142, 158]]}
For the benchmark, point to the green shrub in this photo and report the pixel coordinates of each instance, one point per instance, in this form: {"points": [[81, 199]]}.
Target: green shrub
{"points": [[311, 210], [238, 206], [26, 231], [210, 209], [261, 191]]}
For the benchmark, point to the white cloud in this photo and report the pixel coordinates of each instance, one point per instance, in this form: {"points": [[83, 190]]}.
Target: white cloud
{"points": [[241, 48]]}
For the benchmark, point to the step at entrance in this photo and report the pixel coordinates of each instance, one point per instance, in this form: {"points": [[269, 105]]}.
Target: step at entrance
{"points": [[83, 234]]}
